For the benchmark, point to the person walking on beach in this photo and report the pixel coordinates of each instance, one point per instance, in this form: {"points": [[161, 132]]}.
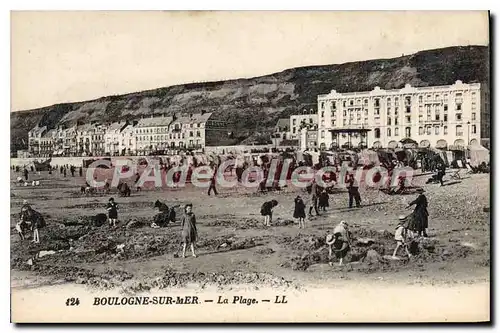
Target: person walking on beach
{"points": [[299, 211], [212, 182], [112, 209], [314, 199], [420, 218], [189, 232], [353, 190]]}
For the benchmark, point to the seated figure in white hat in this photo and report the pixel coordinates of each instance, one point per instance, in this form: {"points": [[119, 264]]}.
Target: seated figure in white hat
{"points": [[339, 242]]}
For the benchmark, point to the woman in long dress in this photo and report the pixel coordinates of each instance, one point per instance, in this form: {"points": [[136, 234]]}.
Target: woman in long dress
{"points": [[189, 232]]}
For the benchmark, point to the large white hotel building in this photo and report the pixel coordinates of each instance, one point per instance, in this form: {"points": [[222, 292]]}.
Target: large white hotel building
{"points": [[452, 116]]}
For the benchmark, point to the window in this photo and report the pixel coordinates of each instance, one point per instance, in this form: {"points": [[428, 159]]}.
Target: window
{"points": [[334, 105], [377, 112], [388, 101], [396, 131], [445, 107], [437, 116], [458, 116], [388, 132], [322, 123], [294, 122], [198, 134], [473, 129], [190, 133], [345, 113], [310, 121], [408, 109], [420, 131], [420, 99], [473, 116], [389, 121], [395, 121], [408, 132], [344, 103], [429, 97], [428, 130], [445, 130], [408, 119], [322, 114], [436, 130], [377, 102], [366, 101], [351, 102], [377, 133], [445, 117], [294, 130], [322, 105], [459, 131], [345, 122]]}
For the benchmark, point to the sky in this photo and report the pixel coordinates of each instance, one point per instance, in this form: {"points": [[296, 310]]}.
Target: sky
{"points": [[74, 56]]}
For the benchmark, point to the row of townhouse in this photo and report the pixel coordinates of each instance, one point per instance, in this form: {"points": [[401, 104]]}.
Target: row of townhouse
{"points": [[143, 137]]}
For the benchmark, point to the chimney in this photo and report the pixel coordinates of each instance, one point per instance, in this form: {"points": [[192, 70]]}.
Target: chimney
{"points": [[134, 123]]}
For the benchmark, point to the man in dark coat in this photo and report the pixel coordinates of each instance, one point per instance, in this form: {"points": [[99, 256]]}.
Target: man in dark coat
{"points": [[25, 173], [441, 172], [80, 172], [420, 214], [314, 199], [212, 182], [352, 188]]}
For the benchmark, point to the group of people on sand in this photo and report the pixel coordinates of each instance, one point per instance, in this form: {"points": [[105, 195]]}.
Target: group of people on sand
{"points": [[339, 242]]}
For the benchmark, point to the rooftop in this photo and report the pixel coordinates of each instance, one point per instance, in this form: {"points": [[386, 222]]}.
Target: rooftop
{"points": [[154, 121], [116, 126], [283, 122]]}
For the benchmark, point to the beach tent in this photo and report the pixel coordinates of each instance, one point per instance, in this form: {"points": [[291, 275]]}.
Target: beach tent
{"points": [[368, 157], [478, 155]]}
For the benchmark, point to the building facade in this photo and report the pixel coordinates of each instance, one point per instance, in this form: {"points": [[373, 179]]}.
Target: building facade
{"points": [[84, 135], [47, 144], [152, 134], [97, 141], [128, 144], [112, 138], [35, 138], [308, 119], [443, 117]]}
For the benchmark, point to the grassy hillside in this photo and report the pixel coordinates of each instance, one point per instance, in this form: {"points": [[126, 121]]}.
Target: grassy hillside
{"points": [[253, 105]]}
